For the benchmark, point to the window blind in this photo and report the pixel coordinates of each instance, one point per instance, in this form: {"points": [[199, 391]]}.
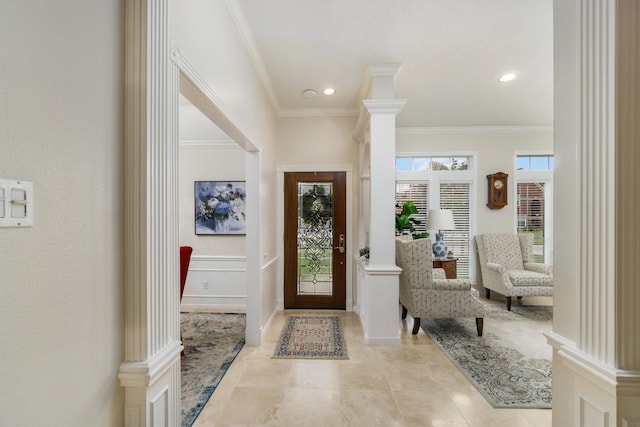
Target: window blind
{"points": [[418, 192], [455, 196], [531, 218]]}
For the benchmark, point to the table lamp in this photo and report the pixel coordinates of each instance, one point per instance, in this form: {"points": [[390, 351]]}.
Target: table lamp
{"points": [[440, 219]]}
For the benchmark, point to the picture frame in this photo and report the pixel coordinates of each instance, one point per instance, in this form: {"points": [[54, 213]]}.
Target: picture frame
{"points": [[219, 207]]}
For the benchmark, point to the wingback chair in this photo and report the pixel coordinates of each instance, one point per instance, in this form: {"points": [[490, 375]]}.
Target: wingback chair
{"points": [[507, 267], [426, 293]]}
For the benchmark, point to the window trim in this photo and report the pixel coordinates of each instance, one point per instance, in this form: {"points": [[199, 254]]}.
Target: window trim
{"points": [[467, 176], [533, 176]]}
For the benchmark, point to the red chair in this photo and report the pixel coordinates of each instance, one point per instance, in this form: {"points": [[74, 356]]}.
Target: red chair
{"points": [[185, 259]]}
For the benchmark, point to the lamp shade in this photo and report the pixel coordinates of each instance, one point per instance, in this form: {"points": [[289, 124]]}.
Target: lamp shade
{"points": [[440, 219]]}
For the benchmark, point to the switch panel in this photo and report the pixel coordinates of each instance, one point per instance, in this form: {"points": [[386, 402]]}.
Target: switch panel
{"points": [[16, 203]]}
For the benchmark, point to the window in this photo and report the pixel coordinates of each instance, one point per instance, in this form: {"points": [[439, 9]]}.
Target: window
{"points": [[531, 209], [440, 163], [440, 181], [537, 162], [534, 183]]}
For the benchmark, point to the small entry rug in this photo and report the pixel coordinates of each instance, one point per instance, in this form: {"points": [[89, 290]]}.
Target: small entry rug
{"points": [[511, 364], [311, 337], [211, 343]]}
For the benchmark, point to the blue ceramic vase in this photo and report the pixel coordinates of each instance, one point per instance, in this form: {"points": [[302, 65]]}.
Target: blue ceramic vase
{"points": [[439, 246]]}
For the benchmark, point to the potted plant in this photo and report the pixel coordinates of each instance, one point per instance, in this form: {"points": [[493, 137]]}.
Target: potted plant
{"points": [[405, 224]]}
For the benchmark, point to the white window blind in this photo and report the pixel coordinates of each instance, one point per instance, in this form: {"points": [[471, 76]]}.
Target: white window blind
{"points": [[455, 196], [418, 192], [531, 215]]}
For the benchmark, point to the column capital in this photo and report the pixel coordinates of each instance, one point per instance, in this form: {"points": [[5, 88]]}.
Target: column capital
{"points": [[384, 70], [384, 106]]}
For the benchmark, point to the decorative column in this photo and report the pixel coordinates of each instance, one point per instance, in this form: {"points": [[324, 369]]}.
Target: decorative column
{"points": [[378, 279], [596, 365], [150, 372]]}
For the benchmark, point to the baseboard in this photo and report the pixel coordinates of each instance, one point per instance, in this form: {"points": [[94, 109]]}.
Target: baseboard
{"points": [[381, 340], [196, 308]]}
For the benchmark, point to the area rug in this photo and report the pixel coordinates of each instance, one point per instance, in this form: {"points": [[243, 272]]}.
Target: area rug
{"points": [[511, 364], [211, 343], [311, 337]]}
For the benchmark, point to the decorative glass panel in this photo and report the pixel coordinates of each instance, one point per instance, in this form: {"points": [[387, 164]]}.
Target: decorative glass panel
{"points": [[315, 238]]}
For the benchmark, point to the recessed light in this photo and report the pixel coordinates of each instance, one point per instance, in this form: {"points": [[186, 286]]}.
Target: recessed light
{"points": [[507, 77], [309, 93], [329, 91]]}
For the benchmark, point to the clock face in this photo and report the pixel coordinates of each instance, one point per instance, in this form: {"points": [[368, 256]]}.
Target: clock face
{"points": [[498, 184]]}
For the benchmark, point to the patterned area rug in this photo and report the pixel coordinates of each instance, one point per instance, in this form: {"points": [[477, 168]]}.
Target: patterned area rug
{"points": [[511, 364], [311, 337], [211, 342]]}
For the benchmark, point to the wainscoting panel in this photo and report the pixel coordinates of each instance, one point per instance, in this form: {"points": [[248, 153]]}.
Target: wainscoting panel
{"points": [[592, 415], [159, 406], [216, 283]]}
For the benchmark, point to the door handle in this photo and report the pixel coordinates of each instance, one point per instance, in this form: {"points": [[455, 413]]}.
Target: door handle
{"points": [[340, 246]]}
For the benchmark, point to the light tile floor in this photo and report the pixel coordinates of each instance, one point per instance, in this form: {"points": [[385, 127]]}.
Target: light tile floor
{"points": [[413, 384]]}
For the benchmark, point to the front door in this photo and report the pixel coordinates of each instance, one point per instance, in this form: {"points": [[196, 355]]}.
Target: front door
{"points": [[314, 240]]}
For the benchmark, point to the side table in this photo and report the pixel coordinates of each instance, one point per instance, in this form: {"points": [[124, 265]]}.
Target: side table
{"points": [[450, 266]]}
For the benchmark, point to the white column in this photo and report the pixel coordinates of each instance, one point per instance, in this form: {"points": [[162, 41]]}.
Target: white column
{"points": [[150, 372], [596, 365], [382, 152], [379, 291]]}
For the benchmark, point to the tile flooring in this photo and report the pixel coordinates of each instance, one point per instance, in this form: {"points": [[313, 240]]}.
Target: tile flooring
{"points": [[413, 384]]}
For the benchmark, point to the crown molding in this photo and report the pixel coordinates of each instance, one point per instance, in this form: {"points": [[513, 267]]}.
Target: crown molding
{"points": [[376, 70], [240, 21], [472, 129], [384, 106], [318, 112]]}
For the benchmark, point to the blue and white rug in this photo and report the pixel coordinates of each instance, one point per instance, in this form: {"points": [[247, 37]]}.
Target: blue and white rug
{"points": [[311, 337], [511, 364], [211, 343]]}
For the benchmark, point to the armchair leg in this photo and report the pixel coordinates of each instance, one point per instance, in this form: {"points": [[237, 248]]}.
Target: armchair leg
{"points": [[404, 312], [416, 326], [508, 303], [479, 325], [487, 293]]}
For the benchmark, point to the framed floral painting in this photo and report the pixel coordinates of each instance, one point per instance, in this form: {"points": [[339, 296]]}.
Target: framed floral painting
{"points": [[220, 207]]}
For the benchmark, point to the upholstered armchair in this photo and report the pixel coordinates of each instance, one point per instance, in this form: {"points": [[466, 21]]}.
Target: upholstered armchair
{"points": [[507, 267], [426, 293]]}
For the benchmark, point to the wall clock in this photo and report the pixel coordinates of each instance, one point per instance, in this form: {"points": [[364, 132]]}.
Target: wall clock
{"points": [[497, 185]]}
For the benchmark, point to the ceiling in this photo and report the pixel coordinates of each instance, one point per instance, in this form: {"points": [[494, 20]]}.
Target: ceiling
{"points": [[451, 53]]}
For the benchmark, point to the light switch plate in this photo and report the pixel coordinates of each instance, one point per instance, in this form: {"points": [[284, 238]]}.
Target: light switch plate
{"points": [[16, 203]]}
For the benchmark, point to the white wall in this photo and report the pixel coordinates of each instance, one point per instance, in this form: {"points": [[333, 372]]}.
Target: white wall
{"points": [[218, 260], [61, 280]]}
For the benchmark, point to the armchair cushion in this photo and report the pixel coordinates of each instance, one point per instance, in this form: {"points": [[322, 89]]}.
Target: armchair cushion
{"points": [[439, 273], [529, 278]]}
